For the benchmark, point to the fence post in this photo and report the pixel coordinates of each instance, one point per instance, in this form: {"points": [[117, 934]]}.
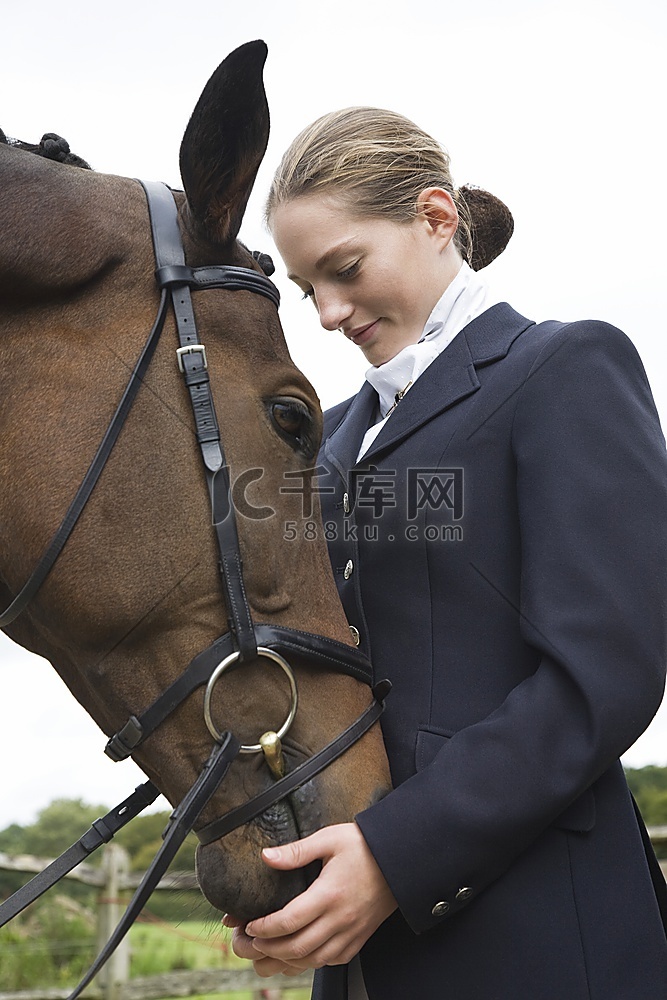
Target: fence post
{"points": [[116, 973]]}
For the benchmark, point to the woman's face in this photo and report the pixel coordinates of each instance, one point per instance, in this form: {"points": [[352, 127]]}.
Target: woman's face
{"points": [[375, 280]]}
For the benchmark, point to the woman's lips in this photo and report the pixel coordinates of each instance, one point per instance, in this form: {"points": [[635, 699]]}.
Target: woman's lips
{"points": [[361, 334]]}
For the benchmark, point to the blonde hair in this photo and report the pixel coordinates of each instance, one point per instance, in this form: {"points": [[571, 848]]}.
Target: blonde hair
{"points": [[380, 162]]}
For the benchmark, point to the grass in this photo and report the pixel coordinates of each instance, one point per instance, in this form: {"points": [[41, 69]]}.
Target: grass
{"points": [[191, 944], [56, 949], [249, 995], [159, 946]]}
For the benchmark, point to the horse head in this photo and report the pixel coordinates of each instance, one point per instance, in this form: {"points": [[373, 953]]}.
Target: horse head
{"points": [[136, 593]]}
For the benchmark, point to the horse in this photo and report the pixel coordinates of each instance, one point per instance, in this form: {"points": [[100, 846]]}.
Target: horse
{"points": [[136, 592]]}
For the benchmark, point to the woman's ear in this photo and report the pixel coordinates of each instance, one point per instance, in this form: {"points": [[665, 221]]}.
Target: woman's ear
{"points": [[436, 207]]}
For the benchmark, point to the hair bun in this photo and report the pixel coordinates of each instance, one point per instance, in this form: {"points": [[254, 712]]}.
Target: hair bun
{"points": [[491, 227]]}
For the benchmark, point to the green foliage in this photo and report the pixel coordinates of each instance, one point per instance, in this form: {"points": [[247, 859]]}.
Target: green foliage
{"points": [[51, 945], [12, 839], [659, 809], [53, 942], [649, 787], [158, 947], [56, 827], [142, 839], [63, 821]]}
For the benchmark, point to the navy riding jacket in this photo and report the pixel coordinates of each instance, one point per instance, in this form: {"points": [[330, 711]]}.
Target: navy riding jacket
{"points": [[502, 551]]}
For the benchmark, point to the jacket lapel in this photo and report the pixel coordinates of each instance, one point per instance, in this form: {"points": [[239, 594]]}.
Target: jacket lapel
{"points": [[447, 380], [342, 445], [451, 378]]}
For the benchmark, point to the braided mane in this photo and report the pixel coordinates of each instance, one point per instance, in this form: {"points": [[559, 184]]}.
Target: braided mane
{"points": [[51, 146]]}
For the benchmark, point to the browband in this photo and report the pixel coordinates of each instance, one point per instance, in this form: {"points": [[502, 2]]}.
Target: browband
{"points": [[233, 278]]}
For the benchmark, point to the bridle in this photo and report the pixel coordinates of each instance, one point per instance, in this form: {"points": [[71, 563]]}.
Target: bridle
{"points": [[245, 641]]}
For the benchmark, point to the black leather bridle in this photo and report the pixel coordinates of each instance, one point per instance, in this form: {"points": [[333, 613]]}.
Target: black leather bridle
{"points": [[245, 641]]}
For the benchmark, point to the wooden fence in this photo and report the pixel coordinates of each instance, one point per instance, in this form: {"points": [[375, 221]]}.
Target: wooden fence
{"points": [[114, 983]]}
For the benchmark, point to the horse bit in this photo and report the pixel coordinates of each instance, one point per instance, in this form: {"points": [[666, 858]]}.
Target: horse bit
{"points": [[245, 641]]}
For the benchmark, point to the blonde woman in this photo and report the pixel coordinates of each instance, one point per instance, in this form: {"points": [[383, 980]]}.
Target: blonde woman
{"points": [[497, 523]]}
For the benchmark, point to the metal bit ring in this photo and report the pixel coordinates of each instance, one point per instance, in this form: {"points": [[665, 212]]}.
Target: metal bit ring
{"points": [[268, 654]]}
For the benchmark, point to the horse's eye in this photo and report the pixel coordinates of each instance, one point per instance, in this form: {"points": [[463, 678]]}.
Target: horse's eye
{"points": [[293, 421], [289, 417]]}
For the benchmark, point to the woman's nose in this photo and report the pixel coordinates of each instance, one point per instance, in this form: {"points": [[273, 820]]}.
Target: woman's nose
{"points": [[333, 309]]}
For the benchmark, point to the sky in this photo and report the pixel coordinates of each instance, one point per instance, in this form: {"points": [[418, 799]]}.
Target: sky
{"points": [[556, 107]]}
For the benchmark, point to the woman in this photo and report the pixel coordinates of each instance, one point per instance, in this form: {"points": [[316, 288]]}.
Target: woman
{"points": [[498, 530]]}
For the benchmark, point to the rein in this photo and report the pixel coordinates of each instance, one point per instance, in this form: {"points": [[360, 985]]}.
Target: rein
{"points": [[244, 642]]}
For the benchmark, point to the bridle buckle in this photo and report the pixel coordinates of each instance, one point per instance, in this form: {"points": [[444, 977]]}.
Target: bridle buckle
{"points": [[191, 349]]}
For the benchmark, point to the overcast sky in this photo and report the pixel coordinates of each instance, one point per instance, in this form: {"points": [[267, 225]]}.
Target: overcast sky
{"points": [[556, 107]]}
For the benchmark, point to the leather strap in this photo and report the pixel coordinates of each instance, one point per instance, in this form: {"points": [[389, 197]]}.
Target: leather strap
{"points": [[301, 774], [180, 824], [329, 653], [170, 256], [236, 279], [101, 832], [170, 261], [57, 543]]}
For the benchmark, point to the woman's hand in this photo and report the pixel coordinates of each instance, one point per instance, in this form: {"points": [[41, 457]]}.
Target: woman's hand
{"points": [[329, 922]]}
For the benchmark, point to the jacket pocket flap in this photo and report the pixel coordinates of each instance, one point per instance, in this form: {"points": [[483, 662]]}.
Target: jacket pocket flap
{"points": [[429, 742]]}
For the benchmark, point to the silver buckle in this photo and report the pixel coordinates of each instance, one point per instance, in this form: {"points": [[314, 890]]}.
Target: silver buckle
{"points": [[191, 349]]}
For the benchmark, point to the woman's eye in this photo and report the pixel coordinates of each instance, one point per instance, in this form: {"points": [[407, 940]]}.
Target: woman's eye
{"points": [[349, 272], [293, 421], [309, 294]]}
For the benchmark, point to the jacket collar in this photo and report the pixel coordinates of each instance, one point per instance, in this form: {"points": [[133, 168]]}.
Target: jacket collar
{"points": [[449, 379], [342, 445]]}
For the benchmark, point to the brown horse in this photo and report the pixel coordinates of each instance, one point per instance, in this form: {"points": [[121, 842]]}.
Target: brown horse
{"points": [[136, 593]]}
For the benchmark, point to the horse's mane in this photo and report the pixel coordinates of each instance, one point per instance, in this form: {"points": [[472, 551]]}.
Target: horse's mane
{"points": [[51, 146]]}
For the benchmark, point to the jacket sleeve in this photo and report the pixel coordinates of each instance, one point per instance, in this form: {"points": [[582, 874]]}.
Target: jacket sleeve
{"points": [[592, 505]]}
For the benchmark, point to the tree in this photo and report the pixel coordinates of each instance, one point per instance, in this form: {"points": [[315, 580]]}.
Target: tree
{"points": [[649, 787], [56, 827], [63, 821]]}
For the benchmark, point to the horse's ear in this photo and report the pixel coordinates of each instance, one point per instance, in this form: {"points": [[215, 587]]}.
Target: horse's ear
{"points": [[225, 142]]}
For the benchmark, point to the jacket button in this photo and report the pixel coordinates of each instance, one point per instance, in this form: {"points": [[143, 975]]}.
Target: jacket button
{"points": [[355, 635], [464, 893], [440, 909], [346, 502], [349, 569]]}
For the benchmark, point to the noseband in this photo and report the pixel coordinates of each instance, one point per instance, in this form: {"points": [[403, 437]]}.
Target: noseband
{"points": [[245, 641]]}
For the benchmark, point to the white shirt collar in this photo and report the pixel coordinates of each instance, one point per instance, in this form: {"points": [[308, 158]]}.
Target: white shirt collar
{"points": [[465, 298]]}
